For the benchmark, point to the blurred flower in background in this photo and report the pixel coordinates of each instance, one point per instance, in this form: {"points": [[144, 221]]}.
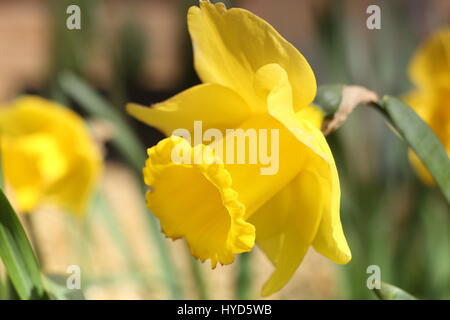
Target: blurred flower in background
{"points": [[48, 155], [430, 72]]}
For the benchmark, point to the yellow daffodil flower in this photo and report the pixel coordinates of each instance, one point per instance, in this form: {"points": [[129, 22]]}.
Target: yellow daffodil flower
{"points": [[252, 79], [47, 155], [430, 72]]}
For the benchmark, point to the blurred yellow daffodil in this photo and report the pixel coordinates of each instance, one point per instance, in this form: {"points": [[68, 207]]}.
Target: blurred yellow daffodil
{"points": [[430, 72], [252, 79], [47, 155]]}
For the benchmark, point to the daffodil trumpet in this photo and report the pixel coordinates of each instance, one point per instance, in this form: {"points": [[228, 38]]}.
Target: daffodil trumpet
{"points": [[253, 81]]}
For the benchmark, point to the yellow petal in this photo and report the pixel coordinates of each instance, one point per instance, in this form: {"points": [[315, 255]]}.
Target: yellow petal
{"points": [[28, 169], [311, 114], [286, 226], [274, 90], [273, 87], [430, 67], [73, 191], [330, 239], [304, 125], [231, 45], [215, 105], [309, 203]]}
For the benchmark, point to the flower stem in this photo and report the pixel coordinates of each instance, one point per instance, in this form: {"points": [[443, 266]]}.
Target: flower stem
{"points": [[167, 266], [199, 280], [243, 285]]}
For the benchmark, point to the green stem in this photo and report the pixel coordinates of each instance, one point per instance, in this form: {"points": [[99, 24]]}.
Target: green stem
{"points": [[199, 280], [243, 285], [169, 272], [113, 226]]}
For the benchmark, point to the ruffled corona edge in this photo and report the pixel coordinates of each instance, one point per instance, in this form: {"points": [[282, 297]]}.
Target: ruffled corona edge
{"points": [[195, 200]]}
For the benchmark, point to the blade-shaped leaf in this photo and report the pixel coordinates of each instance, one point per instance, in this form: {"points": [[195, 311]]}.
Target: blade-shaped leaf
{"points": [[421, 139], [125, 140], [390, 292], [17, 254]]}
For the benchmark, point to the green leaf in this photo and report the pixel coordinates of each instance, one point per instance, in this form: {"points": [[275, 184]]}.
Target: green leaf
{"points": [[199, 279], [421, 139], [17, 254], [125, 140], [390, 292]]}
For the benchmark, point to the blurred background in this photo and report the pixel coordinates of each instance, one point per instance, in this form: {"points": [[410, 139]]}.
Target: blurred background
{"points": [[139, 51]]}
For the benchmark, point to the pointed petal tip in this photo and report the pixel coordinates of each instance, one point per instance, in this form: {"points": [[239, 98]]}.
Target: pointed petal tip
{"points": [[131, 107], [269, 288], [346, 257]]}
